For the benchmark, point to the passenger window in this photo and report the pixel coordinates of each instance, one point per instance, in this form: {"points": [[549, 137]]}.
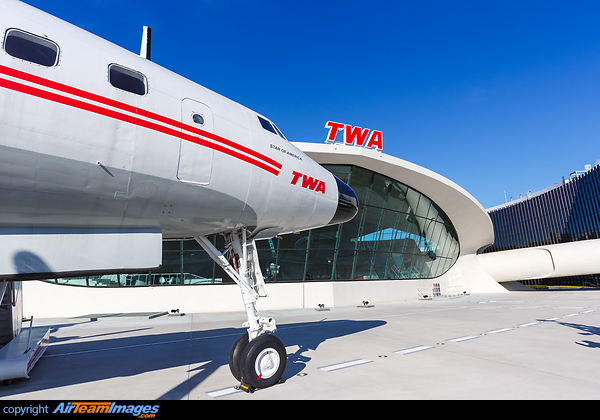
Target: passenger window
{"points": [[127, 79], [198, 119], [31, 48]]}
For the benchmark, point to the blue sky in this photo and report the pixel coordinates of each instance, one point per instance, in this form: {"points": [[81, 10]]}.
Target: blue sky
{"points": [[501, 97]]}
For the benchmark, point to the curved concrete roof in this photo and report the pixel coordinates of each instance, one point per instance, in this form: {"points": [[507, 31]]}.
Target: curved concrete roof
{"points": [[471, 221]]}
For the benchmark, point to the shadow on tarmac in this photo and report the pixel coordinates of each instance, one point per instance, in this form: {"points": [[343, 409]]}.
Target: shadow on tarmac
{"points": [[585, 330], [69, 362]]}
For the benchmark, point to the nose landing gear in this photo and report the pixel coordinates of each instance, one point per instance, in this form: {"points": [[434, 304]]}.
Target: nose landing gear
{"points": [[259, 363], [257, 358]]}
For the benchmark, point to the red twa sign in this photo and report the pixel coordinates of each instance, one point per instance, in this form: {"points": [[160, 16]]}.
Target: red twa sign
{"points": [[355, 136], [308, 182]]}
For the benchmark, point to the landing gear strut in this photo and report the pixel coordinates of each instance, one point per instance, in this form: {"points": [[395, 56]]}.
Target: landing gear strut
{"points": [[257, 358]]}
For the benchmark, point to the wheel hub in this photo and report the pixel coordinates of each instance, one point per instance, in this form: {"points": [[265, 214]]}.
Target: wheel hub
{"points": [[267, 363]]}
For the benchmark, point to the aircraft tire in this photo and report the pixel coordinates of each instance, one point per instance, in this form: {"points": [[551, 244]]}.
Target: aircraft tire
{"points": [[235, 355], [263, 361]]}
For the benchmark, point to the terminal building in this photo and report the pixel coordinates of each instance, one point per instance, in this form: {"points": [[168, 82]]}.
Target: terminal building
{"points": [[566, 212], [417, 234]]}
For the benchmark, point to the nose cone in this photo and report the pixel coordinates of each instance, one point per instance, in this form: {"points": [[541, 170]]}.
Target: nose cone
{"points": [[347, 203]]}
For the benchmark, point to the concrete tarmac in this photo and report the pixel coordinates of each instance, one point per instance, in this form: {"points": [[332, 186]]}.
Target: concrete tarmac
{"points": [[537, 345]]}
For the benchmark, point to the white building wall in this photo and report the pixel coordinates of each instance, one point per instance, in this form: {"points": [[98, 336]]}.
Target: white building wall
{"points": [[48, 300], [558, 260]]}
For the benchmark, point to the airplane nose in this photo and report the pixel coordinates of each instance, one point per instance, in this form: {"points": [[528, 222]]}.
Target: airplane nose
{"points": [[347, 203]]}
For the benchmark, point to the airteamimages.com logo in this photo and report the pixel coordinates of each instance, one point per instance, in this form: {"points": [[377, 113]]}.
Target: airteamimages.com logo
{"points": [[91, 408], [142, 411]]}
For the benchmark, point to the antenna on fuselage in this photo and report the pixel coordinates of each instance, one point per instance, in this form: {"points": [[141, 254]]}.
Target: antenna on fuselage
{"points": [[145, 48]]}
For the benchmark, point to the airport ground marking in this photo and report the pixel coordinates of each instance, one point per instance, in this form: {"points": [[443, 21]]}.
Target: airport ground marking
{"points": [[223, 392], [499, 330], [459, 339], [528, 324], [344, 365], [551, 319], [413, 349]]}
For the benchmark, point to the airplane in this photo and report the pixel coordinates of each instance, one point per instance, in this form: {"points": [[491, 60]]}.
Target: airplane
{"points": [[104, 155]]}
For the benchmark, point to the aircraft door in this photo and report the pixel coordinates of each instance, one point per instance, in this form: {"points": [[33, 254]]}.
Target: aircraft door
{"points": [[195, 150]]}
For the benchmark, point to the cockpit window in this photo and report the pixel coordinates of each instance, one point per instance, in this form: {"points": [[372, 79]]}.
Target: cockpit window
{"points": [[267, 125], [278, 131], [127, 79], [29, 47]]}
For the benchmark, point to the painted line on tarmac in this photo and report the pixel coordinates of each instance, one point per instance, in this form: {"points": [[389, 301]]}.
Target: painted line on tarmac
{"points": [[499, 330], [459, 339], [345, 365], [223, 392], [413, 349], [528, 324]]}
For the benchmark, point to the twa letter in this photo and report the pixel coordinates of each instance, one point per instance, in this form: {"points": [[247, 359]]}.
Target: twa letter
{"points": [[353, 134], [309, 182], [376, 140], [333, 129], [297, 175], [321, 187]]}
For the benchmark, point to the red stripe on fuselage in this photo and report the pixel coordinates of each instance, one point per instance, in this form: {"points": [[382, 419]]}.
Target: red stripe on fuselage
{"points": [[266, 161]]}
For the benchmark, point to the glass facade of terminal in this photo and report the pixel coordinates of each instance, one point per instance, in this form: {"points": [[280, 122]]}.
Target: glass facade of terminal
{"points": [[567, 213], [398, 233]]}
